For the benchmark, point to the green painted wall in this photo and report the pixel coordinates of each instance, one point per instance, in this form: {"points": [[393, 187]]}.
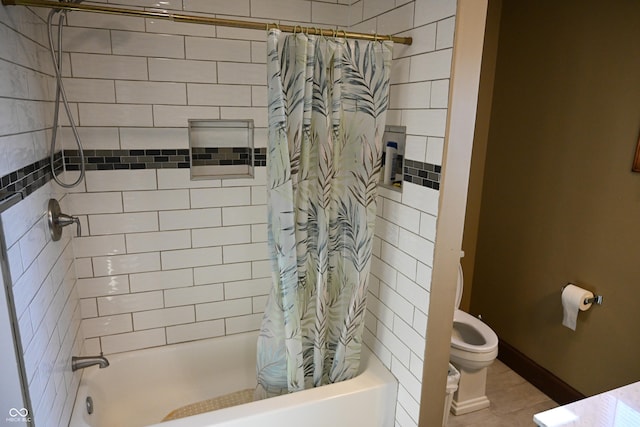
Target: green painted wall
{"points": [[560, 203]]}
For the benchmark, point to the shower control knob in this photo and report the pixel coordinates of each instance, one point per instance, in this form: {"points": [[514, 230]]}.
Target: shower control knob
{"points": [[57, 220]]}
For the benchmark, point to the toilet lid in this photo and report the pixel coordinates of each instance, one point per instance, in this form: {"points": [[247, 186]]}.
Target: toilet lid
{"points": [[460, 286]]}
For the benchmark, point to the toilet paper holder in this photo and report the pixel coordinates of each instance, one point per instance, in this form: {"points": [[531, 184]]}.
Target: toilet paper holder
{"points": [[597, 299]]}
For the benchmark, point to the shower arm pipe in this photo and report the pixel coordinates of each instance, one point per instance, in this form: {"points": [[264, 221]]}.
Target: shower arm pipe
{"points": [[193, 19]]}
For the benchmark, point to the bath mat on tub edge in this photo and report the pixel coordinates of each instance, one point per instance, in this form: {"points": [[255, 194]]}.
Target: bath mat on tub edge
{"points": [[220, 402]]}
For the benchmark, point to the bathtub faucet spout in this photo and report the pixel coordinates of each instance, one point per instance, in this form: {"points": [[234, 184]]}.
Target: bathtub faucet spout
{"points": [[86, 361]]}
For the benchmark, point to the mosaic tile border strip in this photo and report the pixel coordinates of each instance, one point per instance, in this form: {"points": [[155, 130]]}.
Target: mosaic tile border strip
{"points": [[424, 174], [127, 159], [145, 159], [28, 179], [221, 156], [31, 177]]}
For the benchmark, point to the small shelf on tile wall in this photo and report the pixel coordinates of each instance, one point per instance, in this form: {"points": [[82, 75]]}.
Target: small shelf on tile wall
{"points": [[221, 149], [393, 146]]}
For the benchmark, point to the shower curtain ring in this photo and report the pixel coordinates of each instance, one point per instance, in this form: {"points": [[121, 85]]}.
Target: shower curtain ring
{"points": [[344, 34], [375, 37], [295, 29]]}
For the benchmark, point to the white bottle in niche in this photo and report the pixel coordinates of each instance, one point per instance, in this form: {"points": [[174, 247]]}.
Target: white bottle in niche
{"points": [[390, 163]]}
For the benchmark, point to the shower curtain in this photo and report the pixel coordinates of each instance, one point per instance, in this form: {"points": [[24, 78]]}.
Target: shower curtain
{"points": [[327, 100]]}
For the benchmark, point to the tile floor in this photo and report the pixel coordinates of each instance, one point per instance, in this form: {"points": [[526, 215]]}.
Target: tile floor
{"points": [[513, 401]]}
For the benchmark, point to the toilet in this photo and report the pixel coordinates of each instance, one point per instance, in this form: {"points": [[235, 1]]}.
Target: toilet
{"points": [[474, 346]]}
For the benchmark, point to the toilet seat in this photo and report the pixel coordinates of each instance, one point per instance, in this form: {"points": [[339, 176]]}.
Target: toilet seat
{"points": [[482, 338], [459, 286]]}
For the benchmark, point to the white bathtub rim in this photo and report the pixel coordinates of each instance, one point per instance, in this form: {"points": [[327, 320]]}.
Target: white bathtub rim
{"points": [[374, 376]]}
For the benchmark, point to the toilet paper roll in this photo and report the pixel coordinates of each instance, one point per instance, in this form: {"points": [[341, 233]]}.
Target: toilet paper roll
{"points": [[573, 298]]}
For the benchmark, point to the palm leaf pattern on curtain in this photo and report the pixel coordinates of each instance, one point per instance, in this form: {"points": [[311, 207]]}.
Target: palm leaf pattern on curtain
{"points": [[327, 105]]}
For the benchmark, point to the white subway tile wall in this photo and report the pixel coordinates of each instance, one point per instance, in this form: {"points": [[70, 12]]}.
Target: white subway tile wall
{"points": [[42, 271], [169, 262], [398, 303], [165, 259]]}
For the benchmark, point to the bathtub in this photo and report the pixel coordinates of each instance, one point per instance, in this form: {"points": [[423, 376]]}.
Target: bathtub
{"points": [[141, 387]]}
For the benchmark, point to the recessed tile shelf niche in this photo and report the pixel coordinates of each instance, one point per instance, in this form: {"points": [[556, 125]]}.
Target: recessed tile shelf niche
{"points": [[397, 136], [221, 149]]}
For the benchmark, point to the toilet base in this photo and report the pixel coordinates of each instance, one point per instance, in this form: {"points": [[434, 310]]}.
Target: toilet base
{"points": [[470, 395], [471, 405]]}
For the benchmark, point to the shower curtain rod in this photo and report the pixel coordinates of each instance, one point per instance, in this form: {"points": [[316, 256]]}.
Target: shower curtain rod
{"points": [[193, 19]]}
